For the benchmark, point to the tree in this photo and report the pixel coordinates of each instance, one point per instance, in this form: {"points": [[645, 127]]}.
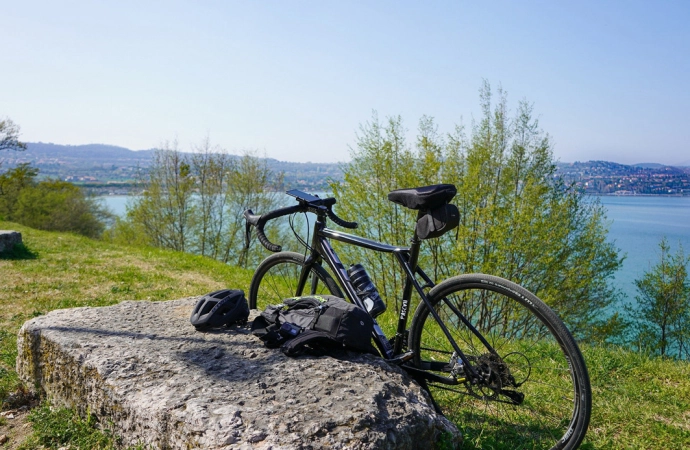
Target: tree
{"points": [[9, 136], [212, 168], [380, 163], [251, 185], [517, 219], [12, 183], [195, 202], [60, 206], [662, 313], [49, 204], [165, 212]]}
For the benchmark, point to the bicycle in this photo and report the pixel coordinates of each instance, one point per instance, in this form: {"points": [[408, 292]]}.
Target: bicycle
{"points": [[495, 359]]}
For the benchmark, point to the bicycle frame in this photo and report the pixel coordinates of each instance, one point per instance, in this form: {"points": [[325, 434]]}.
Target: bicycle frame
{"points": [[432, 356], [407, 258]]}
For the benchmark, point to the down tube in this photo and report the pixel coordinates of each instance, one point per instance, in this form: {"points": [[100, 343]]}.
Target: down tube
{"points": [[341, 273]]}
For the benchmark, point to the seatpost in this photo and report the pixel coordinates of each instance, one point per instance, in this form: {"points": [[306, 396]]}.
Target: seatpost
{"points": [[400, 336], [415, 245]]}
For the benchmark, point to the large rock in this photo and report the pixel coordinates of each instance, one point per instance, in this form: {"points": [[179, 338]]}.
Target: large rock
{"points": [[8, 239], [143, 367]]}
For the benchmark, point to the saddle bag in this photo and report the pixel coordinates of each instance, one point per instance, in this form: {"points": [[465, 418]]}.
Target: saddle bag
{"points": [[438, 222], [315, 324]]}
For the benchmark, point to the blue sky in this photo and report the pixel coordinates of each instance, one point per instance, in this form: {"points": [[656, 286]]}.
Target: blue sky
{"points": [[294, 79]]}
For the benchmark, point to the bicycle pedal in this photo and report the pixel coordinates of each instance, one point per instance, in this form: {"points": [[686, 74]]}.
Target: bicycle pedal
{"points": [[401, 359]]}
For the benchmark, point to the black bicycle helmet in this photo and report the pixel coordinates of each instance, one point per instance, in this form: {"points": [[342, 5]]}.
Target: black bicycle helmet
{"points": [[224, 307]]}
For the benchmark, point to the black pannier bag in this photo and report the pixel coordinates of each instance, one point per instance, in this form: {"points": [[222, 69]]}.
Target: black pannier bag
{"points": [[315, 323], [438, 221]]}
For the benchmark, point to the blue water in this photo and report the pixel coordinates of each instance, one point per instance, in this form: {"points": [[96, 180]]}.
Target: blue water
{"points": [[637, 225], [117, 204]]}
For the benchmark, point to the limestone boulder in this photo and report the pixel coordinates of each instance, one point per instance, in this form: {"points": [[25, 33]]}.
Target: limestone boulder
{"points": [[142, 368]]}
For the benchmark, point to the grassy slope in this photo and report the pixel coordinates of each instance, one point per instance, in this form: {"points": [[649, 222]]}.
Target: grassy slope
{"points": [[70, 271], [638, 402]]}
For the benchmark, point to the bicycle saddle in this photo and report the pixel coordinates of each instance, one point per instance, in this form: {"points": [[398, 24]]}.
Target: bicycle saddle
{"points": [[425, 197]]}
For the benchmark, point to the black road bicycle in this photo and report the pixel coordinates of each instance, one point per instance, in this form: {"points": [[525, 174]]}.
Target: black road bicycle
{"points": [[497, 361]]}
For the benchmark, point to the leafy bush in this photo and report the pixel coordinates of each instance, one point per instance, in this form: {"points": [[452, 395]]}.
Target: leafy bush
{"points": [[50, 204], [661, 314], [517, 219]]}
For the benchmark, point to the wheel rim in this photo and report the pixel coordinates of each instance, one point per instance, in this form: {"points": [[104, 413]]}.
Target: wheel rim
{"points": [[280, 280], [535, 366]]}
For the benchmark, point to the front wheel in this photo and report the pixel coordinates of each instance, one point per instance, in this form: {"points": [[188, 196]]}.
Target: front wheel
{"points": [[534, 389], [277, 278]]}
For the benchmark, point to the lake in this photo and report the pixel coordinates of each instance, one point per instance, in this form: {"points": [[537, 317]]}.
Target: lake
{"points": [[637, 225], [116, 203]]}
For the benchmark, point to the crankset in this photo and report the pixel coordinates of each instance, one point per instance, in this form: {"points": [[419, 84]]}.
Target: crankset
{"points": [[495, 377]]}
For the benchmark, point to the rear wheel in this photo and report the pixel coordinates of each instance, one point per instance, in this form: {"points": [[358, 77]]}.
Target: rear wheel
{"points": [[534, 390], [277, 277]]}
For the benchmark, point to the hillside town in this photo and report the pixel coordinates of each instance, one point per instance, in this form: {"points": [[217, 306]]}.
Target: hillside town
{"points": [[113, 170], [609, 178]]}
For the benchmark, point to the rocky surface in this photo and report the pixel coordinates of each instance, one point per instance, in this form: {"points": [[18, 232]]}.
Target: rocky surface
{"points": [[9, 239], [143, 367]]}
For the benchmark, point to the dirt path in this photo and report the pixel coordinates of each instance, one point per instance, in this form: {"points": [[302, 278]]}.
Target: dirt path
{"points": [[14, 428]]}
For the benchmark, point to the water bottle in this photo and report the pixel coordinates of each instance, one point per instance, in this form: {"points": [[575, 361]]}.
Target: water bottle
{"points": [[366, 290]]}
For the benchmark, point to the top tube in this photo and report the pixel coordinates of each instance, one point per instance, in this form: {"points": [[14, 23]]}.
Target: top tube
{"points": [[361, 242]]}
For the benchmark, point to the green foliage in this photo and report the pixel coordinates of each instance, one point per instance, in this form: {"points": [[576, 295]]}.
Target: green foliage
{"points": [[165, 212], [517, 220], [60, 206], [12, 183], [50, 204], [661, 315], [195, 203], [445, 441]]}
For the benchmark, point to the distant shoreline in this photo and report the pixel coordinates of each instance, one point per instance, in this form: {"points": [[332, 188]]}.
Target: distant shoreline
{"points": [[640, 195]]}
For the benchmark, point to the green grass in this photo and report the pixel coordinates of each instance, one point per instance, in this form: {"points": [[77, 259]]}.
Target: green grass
{"points": [[56, 428], [639, 402]]}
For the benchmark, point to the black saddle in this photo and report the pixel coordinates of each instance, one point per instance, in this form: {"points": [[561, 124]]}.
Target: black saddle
{"points": [[425, 197]]}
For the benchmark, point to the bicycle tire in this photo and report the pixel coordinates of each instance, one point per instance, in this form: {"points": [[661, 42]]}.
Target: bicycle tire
{"points": [[275, 279], [540, 354]]}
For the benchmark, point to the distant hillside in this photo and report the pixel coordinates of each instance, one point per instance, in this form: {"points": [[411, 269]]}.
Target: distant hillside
{"points": [[101, 167], [91, 152], [97, 164], [605, 177], [649, 165]]}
